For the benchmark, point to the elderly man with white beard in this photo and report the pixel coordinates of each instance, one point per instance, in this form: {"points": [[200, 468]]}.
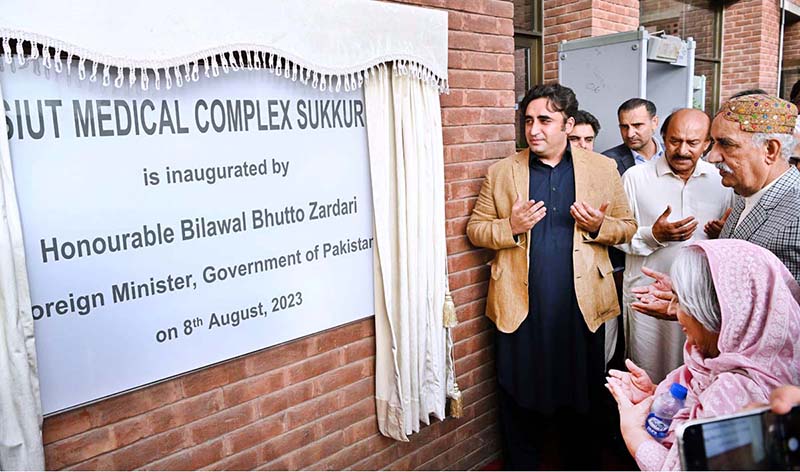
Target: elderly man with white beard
{"points": [[752, 143]]}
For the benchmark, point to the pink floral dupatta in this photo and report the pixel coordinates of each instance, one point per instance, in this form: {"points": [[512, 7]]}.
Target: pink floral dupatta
{"points": [[759, 332]]}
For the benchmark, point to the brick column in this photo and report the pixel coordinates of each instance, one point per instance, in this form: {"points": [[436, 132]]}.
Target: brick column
{"points": [[751, 29], [583, 19]]}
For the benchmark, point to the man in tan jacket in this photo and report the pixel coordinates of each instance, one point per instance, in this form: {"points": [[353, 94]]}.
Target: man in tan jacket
{"points": [[550, 212]]}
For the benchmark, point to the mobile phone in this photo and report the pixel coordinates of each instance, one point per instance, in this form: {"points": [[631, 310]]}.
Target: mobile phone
{"points": [[751, 440]]}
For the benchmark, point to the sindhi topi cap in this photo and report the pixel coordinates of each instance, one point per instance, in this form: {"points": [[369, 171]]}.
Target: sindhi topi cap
{"points": [[761, 114]]}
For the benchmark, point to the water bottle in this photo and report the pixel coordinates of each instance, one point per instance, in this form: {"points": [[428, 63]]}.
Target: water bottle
{"points": [[664, 408]]}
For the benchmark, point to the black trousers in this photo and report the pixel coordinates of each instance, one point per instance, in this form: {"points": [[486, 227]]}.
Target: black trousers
{"points": [[564, 440]]}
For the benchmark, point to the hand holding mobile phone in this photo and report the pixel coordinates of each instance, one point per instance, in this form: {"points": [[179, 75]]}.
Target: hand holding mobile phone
{"points": [[751, 440]]}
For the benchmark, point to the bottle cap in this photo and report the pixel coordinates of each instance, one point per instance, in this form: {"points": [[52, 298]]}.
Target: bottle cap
{"points": [[678, 391]]}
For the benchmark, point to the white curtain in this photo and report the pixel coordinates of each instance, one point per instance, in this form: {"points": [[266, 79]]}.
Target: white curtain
{"points": [[20, 408], [406, 163]]}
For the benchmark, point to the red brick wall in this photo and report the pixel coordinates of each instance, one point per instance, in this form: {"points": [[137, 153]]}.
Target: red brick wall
{"points": [[563, 21], [614, 16], [750, 46], [791, 54], [567, 20], [309, 404]]}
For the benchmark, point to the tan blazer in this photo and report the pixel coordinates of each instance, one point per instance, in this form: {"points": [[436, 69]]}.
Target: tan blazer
{"points": [[596, 181]]}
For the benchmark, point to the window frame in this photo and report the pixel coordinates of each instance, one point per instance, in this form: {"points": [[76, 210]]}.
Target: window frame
{"points": [[533, 41], [715, 59]]}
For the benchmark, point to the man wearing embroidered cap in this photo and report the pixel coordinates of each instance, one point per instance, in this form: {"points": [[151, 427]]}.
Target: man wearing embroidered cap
{"points": [[753, 141]]}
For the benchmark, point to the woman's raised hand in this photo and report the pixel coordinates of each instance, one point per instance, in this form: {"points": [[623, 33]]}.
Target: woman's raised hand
{"points": [[635, 384], [656, 299]]}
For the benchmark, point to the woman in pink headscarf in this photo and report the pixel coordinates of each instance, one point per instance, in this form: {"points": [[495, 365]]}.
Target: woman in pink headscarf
{"points": [[738, 305]]}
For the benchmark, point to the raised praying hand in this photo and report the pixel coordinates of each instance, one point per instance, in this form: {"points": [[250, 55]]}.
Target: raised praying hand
{"points": [[681, 230], [656, 299], [714, 227], [631, 417], [587, 217], [525, 214], [635, 384]]}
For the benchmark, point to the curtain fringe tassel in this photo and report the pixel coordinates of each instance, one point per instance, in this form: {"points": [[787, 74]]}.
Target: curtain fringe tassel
{"points": [[450, 320], [50, 58]]}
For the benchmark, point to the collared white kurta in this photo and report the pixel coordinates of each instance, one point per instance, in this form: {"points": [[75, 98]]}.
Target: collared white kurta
{"points": [[657, 345]]}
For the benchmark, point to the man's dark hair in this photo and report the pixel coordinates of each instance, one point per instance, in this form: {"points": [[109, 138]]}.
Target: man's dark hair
{"points": [[665, 126], [583, 117], [634, 103], [560, 98], [744, 93], [794, 95]]}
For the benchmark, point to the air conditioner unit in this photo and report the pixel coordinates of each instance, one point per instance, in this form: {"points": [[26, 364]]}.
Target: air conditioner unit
{"points": [[664, 48]]}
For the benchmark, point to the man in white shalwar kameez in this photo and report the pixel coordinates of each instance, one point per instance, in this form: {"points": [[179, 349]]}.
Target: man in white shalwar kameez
{"points": [[673, 200]]}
